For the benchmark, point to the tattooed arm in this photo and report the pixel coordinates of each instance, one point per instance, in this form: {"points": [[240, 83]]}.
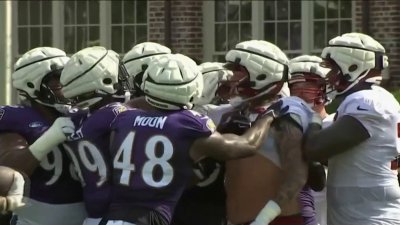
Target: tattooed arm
{"points": [[289, 139]]}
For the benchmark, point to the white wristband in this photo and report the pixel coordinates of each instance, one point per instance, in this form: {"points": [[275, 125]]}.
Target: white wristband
{"points": [[45, 143], [270, 211]]}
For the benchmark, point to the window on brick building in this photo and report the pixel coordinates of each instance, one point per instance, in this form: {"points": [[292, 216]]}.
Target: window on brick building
{"points": [[297, 27], [282, 25], [81, 25], [331, 18], [128, 24], [232, 25], [76, 24], [34, 25]]}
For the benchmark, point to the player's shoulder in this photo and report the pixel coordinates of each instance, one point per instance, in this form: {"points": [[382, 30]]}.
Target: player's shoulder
{"points": [[20, 112], [115, 107], [297, 110], [194, 120], [294, 102], [15, 108], [109, 111], [296, 105], [376, 101]]}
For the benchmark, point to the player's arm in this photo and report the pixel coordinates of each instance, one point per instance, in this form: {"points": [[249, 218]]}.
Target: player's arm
{"points": [[289, 138], [27, 158], [345, 133], [231, 146], [295, 170], [14, 153]]}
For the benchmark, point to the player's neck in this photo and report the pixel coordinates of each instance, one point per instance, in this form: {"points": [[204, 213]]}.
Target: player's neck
{"points": [[320, 109], [50, 114], [105, 101]]}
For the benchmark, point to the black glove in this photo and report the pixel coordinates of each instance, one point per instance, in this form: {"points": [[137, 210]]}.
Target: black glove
{"points": [[276, 110], [237, 124], [316, 176]]}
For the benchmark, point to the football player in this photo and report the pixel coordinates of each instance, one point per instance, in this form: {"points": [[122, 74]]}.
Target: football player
{"points": [[55, 195], [137, 60], [308, 83], [269, 183], [204, 202], [362, 186], [153, 151], [96, 80]]}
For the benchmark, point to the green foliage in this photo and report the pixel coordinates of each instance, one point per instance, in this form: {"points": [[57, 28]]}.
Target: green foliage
{"points": [[331, 108], [396, 95]]}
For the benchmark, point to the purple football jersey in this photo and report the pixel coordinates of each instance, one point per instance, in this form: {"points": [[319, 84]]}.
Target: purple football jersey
{"points": [[152, 165], [89, 149], [54, 181]]}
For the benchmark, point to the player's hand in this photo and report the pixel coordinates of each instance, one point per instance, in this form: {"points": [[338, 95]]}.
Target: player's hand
{"points": [[237, 124], [316, 176], [62, 128], [276, 109], [16, 193]]}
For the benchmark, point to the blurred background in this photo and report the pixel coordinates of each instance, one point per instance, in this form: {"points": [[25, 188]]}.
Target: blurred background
{"points": [[203, 30]]}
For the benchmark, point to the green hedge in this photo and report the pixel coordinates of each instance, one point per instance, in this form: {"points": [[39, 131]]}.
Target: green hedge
{"points": [[331, 108]]}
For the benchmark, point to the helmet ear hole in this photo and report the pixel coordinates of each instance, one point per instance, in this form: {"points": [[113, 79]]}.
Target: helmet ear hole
{"points": [[107, 81], [261, 77], [353, 68], [30, 85]]}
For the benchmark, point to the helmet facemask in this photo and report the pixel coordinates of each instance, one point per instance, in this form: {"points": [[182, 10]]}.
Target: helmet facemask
{"points": [[50, 93], [309, 87]]}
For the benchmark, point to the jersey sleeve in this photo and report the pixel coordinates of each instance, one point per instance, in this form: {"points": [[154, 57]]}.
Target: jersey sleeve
{"points": [[99, 122], [197, 125], [298, 111]]}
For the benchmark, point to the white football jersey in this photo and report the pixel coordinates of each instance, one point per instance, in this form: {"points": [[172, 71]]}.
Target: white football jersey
{"points": [[300, 108], [301, 112], [368, 164]]}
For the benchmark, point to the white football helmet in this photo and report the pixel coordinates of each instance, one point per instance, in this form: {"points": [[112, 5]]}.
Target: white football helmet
{"points": [[137, 60], [265, 63], [308, 69], [213, 74], [355, 54], [92, 74], [172, 82], [31, 72]]}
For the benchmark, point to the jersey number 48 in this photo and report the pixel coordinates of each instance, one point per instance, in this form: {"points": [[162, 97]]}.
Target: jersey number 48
{"points": [[123, 157]]}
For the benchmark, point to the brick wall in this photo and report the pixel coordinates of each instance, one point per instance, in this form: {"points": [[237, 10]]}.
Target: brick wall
{"points": [[156, 21], [384, 26], [186, 26]]}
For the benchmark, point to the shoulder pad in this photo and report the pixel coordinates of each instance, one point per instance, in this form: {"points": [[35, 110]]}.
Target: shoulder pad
{"points": [[298, 110]]}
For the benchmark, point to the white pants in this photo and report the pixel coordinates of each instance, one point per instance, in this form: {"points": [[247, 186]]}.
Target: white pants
{"points": [[91, 221], [363, 206], [39, 213], [320, 206], [118, 222]]}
